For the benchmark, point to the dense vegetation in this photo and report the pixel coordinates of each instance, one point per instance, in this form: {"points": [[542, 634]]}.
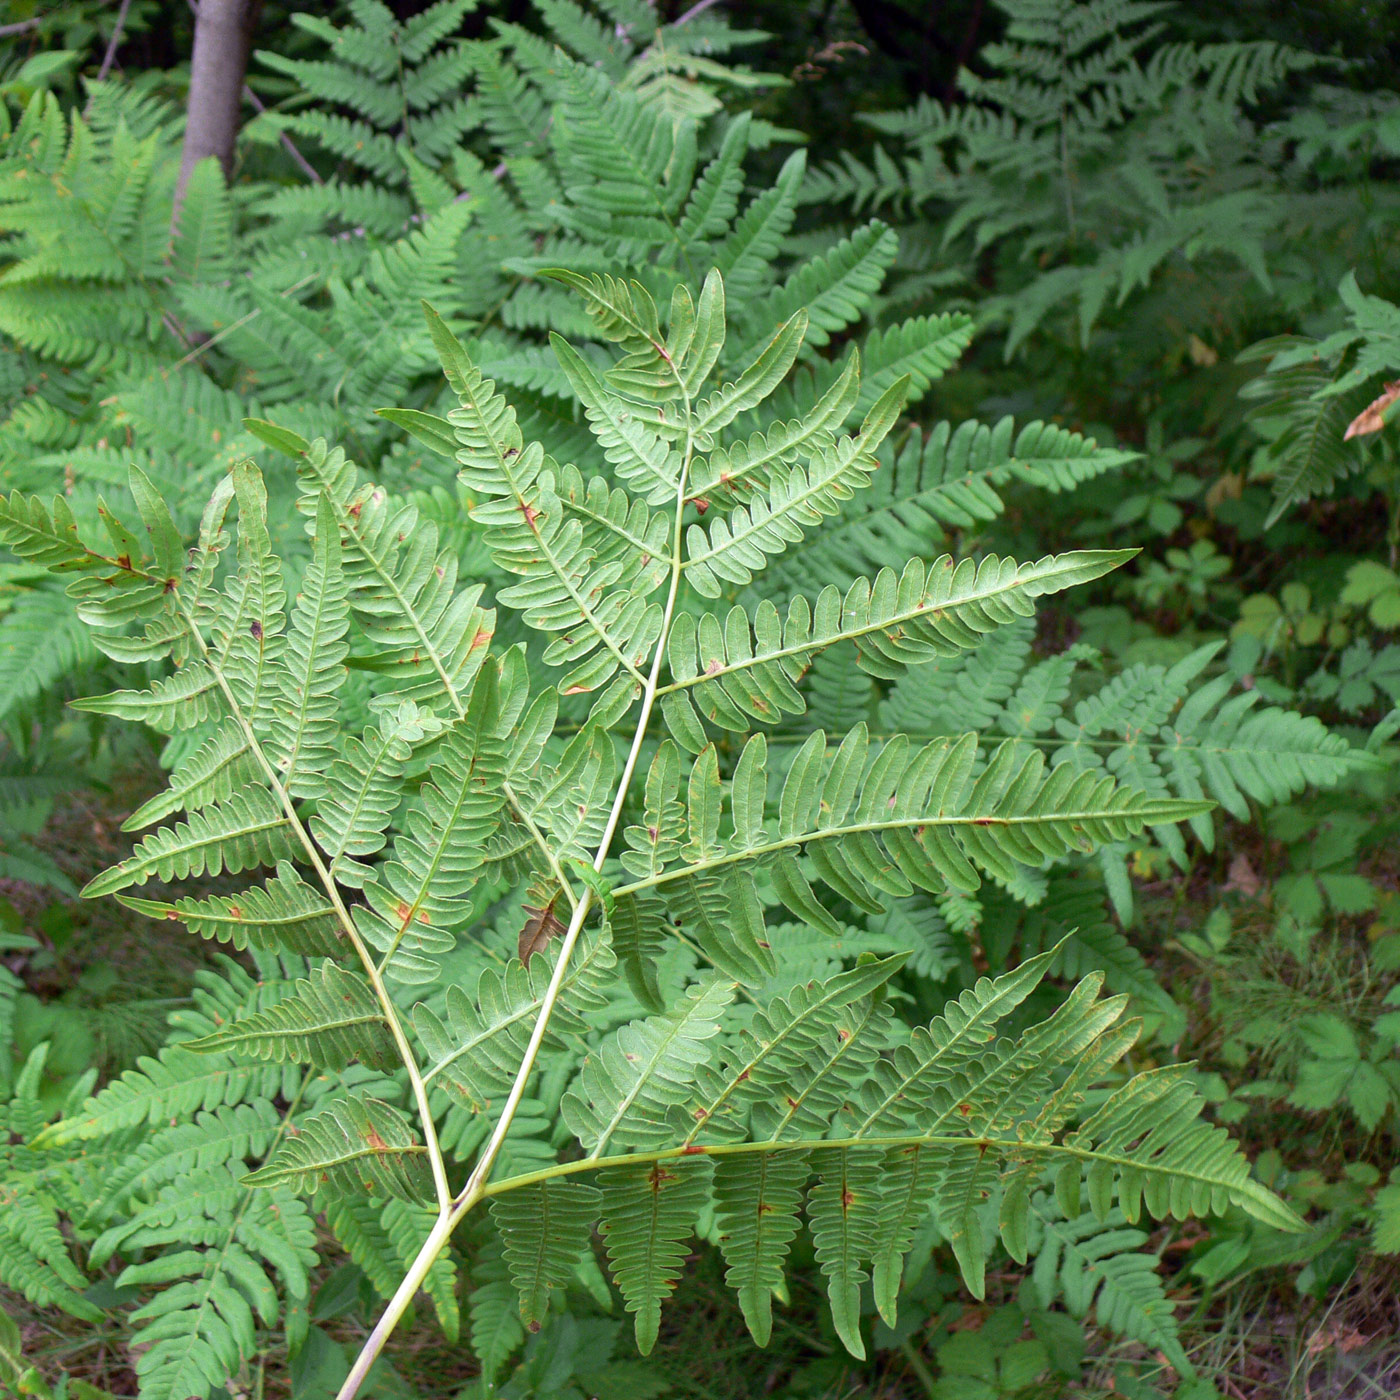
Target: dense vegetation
{"points": [[752, 678]]}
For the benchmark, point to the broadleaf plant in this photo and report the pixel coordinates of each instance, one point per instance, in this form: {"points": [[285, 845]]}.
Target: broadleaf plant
{"points": [[582, 762]]}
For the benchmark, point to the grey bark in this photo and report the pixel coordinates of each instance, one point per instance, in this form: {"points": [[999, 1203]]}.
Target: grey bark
{"points": [[223, 34]]}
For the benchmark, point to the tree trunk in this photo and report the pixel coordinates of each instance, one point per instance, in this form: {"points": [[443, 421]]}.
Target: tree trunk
{"points": [[223, 34]]}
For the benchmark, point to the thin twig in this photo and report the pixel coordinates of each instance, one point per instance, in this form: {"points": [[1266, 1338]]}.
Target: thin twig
{"points": [[288, 144], [113, 42], [696, 9]]}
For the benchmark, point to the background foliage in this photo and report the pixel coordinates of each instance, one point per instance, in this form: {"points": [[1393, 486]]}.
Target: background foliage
{"points": [[1160, 245]]}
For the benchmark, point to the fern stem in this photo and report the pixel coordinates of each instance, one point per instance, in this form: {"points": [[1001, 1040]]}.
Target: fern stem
{"points": [[1006, 1147], [313, 856], [922, 821], [394, 1310], [477, 1186], [477, 1181], [919, 1368]]}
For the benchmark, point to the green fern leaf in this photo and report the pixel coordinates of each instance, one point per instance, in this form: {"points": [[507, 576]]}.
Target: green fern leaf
{"points": [[331, 1019], [843, 1210], [34, 1259], [648, 1214], [233, 1132], [544, 1232], [730, 678], [247, 830], [623, 1092], [1098, 1264], [430, 639], [757, 1200], [204, 1326], [285, 914], [361, 790], [735, 548], [351, 1147], [303, 722], [418, 896]]}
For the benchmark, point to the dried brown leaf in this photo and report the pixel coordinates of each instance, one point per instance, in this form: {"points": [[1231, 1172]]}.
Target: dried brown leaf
{"points": [[1371, 419], [540, 928]]}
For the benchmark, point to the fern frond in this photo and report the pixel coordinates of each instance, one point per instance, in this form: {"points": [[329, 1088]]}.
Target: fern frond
{"points": [[1099, 1264], [648, 1214], [351, 1147], [361, 790], [34, 1257], [303, 721], [430, 639], [934, 823], [230, 1133], [951, 480], [833, 290], [286, 914], [533, 536], [41, 642], [544, 1231], [1303, 404], [249, 829], [330, 1019], [176, 1084], [417, 896], [730, 677], [757, 1200], [204, 1326], [734, 549], [1202, 742], [622, 1093], [844, 1210]]}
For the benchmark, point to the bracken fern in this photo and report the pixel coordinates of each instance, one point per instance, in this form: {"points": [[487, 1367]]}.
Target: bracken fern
{"points": [[599, 758]]}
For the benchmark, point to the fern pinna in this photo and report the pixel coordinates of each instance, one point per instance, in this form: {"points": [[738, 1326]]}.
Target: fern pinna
{"points": [[593, 759]]}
